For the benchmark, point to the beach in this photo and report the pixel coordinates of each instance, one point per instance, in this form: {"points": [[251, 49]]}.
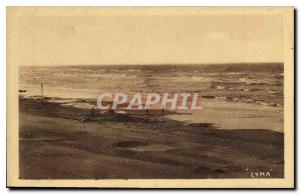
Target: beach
{"points": [[66, 142], [238, 133]]}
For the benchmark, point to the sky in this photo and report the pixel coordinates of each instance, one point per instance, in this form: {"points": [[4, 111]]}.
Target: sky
{"points": [[148, 39]]}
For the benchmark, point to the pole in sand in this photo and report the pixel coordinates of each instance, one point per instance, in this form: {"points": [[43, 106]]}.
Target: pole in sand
{"points": [[42, 89]]}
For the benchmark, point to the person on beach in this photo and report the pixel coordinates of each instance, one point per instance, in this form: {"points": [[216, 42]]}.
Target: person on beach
{"points": [[92, 112]]}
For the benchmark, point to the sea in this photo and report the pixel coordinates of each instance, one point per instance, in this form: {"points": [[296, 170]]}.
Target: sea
{"points": [[248, 83]]}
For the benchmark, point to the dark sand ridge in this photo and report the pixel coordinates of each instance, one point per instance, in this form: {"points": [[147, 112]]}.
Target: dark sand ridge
{"points": [[58, 142]]}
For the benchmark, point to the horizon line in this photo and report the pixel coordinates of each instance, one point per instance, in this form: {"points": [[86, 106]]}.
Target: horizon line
{"points": [[146, 64]]}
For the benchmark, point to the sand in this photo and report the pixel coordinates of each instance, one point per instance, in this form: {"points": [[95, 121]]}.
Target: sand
{"points": [[59, 142]]}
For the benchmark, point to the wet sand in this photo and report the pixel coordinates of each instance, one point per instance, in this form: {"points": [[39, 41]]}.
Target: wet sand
{"points": [[58, 142]]}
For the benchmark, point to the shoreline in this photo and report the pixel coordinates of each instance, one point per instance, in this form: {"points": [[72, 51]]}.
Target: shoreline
{"points": [[58, 142], [223, 113]]}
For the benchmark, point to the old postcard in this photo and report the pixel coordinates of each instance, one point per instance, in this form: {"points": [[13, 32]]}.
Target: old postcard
{"points": [[150, 97]]}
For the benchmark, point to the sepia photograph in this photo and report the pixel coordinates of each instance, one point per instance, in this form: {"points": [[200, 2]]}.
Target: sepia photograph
{"points": [[150, 97]]}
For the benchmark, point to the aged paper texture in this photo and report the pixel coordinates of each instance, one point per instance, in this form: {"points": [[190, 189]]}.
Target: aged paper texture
{"points": [[150, 97]]}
